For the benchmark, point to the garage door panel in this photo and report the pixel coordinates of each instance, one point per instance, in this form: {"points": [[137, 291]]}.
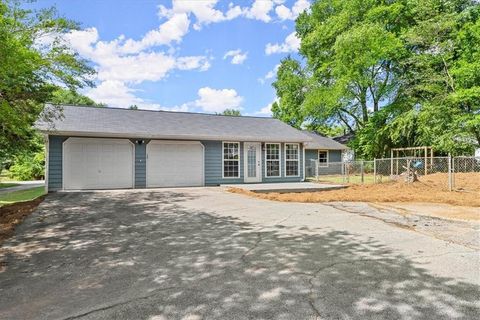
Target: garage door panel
{"points": [[174, 164], [98, 163]]}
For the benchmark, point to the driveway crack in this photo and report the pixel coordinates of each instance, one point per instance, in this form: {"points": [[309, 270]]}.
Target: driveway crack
{"points": [[314, 275], [112, 306], [255, 245]]}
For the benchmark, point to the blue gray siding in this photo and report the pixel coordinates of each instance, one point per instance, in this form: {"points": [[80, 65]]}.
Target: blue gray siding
{"points": [[334, 160], [140, 163], [214, 164], [55, 159], [283, 177]]}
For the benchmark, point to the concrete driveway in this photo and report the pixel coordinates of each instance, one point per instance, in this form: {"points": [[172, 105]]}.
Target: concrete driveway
{"points": [[206, 254]]}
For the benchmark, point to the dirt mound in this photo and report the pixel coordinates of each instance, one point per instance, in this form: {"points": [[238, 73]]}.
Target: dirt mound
{"points": [[12, 215], [431, 189]]}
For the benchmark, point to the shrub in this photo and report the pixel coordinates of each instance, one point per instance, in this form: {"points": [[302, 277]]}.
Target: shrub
{"points": [[28, 166]]}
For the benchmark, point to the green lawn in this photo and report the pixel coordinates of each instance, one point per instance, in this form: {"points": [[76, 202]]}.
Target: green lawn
{"points": [[21, 195], [7, 185], [353, 179]]}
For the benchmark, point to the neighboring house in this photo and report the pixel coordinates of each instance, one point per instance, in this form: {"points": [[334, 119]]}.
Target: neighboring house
{"points": [[106, 148], [324, 151]]}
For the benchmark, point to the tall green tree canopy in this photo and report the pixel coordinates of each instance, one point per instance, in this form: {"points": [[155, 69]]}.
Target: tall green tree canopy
{"points": [[65, 96], [34, 62], [397, 73]]}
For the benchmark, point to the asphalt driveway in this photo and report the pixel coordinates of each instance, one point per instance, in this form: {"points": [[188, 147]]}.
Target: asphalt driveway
{"points": [[206, 254]]}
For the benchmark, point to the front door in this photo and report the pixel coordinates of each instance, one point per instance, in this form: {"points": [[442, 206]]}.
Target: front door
{"points": [[253, 161]]}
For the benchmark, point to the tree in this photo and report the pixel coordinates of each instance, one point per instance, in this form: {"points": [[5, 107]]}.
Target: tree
{"points": [[34, 61], [230, 112], [65, 96], [133, 107], [397, 73]]}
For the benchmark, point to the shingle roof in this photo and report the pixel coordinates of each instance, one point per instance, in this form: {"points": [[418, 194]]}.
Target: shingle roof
{"points": [[321, 142], [114, 122]]}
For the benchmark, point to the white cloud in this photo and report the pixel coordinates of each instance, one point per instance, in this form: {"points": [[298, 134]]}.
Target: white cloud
{"points": [[298, 7], [173, 30], [270, 74], [217, 100], [204, 11], [291, 44], [260, 10], [265, 111], [123, 96], [193, 62], [237, 56]]}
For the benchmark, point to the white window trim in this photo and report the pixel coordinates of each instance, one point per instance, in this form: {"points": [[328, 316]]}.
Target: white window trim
{"points": [[279, 160], [238, 160], [285, 159], [324, 164]]}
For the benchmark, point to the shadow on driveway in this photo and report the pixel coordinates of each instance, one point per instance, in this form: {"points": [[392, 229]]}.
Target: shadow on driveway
{"points": [[144, 255]]}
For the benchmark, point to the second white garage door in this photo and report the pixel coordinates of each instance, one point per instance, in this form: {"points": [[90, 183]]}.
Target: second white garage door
{"points": [[174, 164]]}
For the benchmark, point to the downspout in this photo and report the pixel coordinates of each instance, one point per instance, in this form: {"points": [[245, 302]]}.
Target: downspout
{"points": [[303, 152], [47, 161]]}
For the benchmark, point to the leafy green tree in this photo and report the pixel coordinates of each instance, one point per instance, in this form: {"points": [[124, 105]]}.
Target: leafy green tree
{"points": [[65, 96], [397, 73], [34, 61], [290, 86], [230, 112], [133, 107]]}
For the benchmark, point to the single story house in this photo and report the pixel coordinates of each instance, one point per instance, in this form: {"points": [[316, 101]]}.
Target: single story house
{"points": [[325, 151], [106, 148]]}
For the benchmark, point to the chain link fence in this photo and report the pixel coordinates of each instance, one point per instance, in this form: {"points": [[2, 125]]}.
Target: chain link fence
{"points": [[341, 172], [459, 173], [466, 174], [411, 169]]}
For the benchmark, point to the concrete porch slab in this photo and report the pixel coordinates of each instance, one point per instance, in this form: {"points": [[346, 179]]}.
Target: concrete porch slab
{"points": [[285, 187]]}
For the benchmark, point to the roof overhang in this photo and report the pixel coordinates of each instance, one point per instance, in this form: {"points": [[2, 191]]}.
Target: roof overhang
{"points": [[167, 137]]}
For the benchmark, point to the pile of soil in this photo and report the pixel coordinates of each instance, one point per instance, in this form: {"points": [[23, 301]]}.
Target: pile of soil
{"points": [[431, 189], [13, 214]]}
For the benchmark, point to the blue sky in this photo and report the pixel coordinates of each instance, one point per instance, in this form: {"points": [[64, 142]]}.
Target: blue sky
{"points": [[185, 55]]}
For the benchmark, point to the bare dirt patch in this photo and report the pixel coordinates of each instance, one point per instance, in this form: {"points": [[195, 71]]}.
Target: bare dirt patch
{"points": [[12, 215], [429, 189]]}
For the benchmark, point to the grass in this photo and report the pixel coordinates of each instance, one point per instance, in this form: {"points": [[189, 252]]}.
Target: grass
{"points": [[4, 176], [338, 179], [21, 195], [7, 185]]}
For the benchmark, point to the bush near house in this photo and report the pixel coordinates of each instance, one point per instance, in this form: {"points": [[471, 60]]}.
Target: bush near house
{"points": [[28, 166]]}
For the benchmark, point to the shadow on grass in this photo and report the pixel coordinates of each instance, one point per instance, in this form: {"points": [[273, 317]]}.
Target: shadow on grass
{"points": [[145, 255]]}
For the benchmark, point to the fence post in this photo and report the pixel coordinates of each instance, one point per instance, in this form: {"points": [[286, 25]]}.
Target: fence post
{"points": [[361, 169], [391, 163], [453, 172], [374, 170], [449, 172]]}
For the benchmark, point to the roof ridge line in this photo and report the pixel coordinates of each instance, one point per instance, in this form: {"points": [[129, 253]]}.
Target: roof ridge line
{"points": [[159, 111]]}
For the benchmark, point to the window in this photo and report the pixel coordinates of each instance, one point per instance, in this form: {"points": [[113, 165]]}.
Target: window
{"points": [[292, 159], [231, 159], [322, 158], [272, 159]]}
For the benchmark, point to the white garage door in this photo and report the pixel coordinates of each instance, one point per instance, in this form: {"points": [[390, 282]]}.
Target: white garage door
{"points": [[174, 164], [98, 163]]}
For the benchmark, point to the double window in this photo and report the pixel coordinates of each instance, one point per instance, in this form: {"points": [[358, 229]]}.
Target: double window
{"points": [[272, 159], [292, 159], [231, 159], [323, 158]]}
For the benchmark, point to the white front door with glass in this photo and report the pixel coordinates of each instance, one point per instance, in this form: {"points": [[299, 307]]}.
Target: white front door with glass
{"points": [[253, 162]]}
